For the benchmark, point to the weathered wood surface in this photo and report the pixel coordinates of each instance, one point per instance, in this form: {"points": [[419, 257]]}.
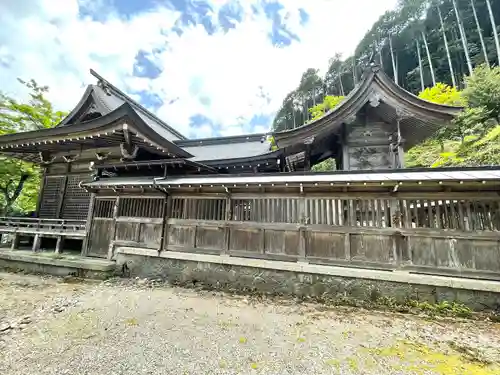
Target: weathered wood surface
{"points": [[439, 234], [49, 227], [367, 144]]}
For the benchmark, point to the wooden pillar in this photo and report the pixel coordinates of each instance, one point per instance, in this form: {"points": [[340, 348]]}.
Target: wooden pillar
{"points": [[59, 244], [227, 227], [113, 229], [307, 153], [88, 226], [346, 165], [62, 193], [303, 227], [40, 194], [36, 242], [400, 142], [351, 222], [15, 241], [166, 215], [396, 222]]}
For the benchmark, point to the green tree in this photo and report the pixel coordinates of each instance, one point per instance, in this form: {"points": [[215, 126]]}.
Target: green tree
{"points": [[328, 104], [19, 180], [442, 93], [474, 139], [327, 165], [483, 89], [294, 110]]}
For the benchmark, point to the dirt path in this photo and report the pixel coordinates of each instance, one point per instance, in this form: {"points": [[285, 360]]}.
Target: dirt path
{"points": [[121, 327]]}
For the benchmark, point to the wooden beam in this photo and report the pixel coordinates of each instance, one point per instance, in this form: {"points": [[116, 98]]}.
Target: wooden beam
{"points": [[88, 225], [40, 193]]}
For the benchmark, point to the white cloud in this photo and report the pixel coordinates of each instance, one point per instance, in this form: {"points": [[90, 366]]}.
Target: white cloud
{"points": [[54, 45]]}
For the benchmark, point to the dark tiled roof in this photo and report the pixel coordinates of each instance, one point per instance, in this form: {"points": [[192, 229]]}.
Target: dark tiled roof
{"points": [[246, 146]]}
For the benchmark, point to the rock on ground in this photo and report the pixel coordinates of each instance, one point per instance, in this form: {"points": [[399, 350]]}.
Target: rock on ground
{"points": [[59, 326]]}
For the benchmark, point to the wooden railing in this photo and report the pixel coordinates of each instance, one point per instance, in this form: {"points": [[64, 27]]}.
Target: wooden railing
{"points": [[18, 227], [42, 226]]}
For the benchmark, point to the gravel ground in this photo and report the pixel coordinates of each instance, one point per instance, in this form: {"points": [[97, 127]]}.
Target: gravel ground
{"points": [[57, 326]]}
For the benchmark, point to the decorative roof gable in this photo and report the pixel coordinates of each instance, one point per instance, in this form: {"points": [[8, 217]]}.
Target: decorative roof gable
{"points": [[104, 98]]}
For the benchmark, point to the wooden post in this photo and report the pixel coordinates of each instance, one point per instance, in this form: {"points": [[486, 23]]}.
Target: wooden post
{"points": [[62, 193], [307, 153], [164, 222], [59, 244], [113, 229], [345, 149], [166, 215], [88, 226], [40, 194], [227, 227], [36, 242], [115, 216], [396, 222], [302, 228], [15, 242], [351, 222]]}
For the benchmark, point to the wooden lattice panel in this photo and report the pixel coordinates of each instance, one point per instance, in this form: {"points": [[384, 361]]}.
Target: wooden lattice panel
{"points": [[141, 207], [51, 196], [76, 200]]}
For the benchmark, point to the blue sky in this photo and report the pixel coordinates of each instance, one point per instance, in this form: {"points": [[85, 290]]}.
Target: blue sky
{"points": [[207, 67]]}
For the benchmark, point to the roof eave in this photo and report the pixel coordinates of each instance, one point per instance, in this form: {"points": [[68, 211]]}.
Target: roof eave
{"points": [[358, 98], [124, 112]]}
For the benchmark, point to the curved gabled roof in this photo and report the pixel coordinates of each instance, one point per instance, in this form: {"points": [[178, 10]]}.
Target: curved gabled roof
{"points": [[106, 98], [375, 87], [79, 134]]}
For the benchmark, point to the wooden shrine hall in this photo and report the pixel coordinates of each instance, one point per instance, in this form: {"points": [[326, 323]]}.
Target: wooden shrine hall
{"points": [[119, 180]]}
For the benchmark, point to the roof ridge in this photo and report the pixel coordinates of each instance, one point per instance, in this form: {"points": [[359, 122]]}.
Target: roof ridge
{"points": [[222, 139], [135, 104]]}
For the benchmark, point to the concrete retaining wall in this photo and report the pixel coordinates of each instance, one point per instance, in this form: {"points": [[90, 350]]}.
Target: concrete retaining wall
{"points": [[251, 278]]}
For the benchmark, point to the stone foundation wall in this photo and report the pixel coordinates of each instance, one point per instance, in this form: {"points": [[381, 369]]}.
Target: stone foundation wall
{"points": [[20, 261], [235, 278]]}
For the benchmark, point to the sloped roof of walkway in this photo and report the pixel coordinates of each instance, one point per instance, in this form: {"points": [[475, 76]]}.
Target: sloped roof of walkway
{"points": [[388, 178]]}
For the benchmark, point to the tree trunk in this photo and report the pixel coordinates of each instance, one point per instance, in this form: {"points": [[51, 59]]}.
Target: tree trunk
{"points": [[394, 68], [480, 32], [304, 109], [354, 75], [420, 66], [380, 49], [431, 66], [447, 47], [494, 27], [11, 198], [463, 37], [342, 92]]}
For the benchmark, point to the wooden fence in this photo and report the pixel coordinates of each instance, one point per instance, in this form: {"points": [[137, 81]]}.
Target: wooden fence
{"points": [[455, 233]]}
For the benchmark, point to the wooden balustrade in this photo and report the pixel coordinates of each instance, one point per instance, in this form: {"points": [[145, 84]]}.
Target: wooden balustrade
{"points": [[37, 228], [46, 226]]}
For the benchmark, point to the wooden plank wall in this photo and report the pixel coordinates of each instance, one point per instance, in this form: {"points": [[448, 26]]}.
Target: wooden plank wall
{"points": [[61, 196], [432, 234], [368, 143]]}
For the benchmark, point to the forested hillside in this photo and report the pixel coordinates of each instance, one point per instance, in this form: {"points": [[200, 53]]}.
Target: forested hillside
{"points": [[433, 48]]}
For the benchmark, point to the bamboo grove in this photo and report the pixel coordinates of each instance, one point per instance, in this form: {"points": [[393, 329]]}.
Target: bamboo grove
{"points": [[419, 44]]}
